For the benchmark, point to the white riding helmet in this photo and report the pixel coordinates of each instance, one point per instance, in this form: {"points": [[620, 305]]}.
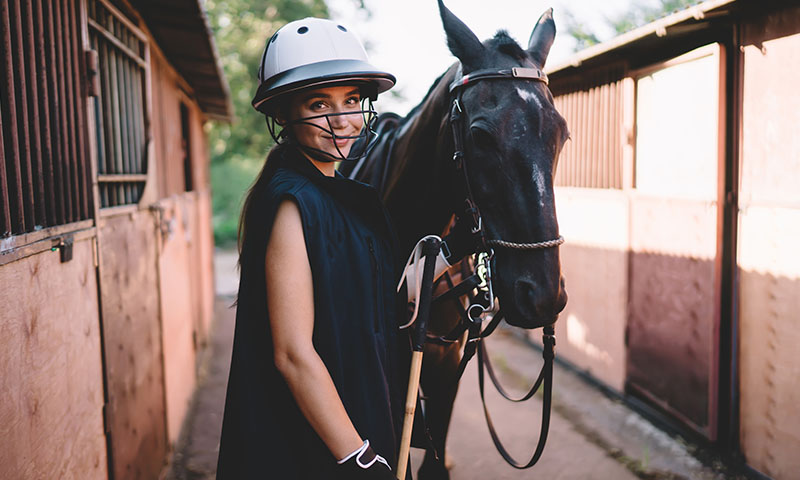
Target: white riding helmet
{"points": [[314, 52]]}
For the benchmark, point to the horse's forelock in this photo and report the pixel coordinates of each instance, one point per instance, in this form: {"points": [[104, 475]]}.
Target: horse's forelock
{"points": [[503, 43]]}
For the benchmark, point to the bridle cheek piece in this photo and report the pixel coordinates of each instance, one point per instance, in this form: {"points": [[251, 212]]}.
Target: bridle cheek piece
{"points": [[471, 209]]}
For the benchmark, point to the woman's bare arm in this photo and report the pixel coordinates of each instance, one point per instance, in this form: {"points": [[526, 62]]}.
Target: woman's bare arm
{"points": [[290, 297]]}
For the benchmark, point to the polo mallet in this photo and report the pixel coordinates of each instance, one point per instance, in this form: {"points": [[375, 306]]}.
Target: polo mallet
{"points": [[430, 250]]}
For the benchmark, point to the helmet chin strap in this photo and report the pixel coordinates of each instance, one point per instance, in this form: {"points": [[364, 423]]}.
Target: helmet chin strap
{"points": [[362, 144]]}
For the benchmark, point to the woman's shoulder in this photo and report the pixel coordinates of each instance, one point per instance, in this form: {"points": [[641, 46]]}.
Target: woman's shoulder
{"points": [[288, 184], [286, 180]]}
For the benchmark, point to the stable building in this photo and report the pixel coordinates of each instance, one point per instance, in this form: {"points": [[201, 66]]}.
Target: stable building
{"points": [[678, 197], [106, 243]]}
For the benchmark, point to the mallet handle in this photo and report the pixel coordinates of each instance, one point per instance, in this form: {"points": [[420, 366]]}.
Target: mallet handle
{"points": [[411, 407], [430, 250]]}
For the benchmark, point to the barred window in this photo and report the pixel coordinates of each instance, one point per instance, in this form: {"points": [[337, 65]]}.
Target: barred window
{"points": [[120, 104], [44, 169]]}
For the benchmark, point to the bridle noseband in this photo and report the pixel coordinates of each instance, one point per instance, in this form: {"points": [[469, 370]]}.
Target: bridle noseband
{"points": [[471, 210]]}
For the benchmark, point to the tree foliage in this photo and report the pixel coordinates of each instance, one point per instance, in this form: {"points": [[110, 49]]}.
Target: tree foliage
{"points": [[635, 16], [241, 28]]}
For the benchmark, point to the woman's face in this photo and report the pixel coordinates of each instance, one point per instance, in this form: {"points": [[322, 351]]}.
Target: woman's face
{"points": [[325, 101]]}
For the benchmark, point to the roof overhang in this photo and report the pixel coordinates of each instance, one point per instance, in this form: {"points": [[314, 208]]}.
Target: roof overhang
{"points": [[685, 22], [181, 29]]}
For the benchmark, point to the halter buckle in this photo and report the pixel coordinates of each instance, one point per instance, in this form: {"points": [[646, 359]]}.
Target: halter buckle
{"points": [[458, 159], [479, 227]]}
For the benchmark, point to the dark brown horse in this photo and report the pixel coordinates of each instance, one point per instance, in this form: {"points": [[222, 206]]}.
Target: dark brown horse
{"points": [[512, 135]]}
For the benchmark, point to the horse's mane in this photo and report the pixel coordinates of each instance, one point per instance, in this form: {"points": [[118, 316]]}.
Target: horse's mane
{"points": [[424, 100]]}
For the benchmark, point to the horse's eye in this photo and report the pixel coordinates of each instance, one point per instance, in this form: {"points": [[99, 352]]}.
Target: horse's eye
{"points": [[482, 138]]}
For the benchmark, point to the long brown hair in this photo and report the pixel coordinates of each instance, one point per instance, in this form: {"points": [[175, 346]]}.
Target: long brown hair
{"points": [[257, 189]]}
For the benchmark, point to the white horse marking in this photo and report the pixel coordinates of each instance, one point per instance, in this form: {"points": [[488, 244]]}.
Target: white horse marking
{"points": [[538, 180], [528, 97]]}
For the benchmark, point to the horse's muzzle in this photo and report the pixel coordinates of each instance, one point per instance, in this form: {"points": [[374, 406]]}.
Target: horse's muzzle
{"points": [[534, 305]]}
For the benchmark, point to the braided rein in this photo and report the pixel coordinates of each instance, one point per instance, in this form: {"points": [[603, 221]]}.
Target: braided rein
{"points": [[526, 246]]}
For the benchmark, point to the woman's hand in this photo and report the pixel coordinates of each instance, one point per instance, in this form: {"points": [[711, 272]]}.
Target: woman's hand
{"points": [[290, 300], [365, 464]]}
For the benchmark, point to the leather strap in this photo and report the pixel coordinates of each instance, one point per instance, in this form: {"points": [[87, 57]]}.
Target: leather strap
{"points": [[546, 377]]}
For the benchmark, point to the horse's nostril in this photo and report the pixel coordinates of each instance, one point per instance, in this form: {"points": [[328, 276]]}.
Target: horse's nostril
{"points": [[525, 293], [535, 301]]}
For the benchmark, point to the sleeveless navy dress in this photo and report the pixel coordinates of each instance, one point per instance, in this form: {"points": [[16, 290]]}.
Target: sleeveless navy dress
{"points": [[350, 247]]}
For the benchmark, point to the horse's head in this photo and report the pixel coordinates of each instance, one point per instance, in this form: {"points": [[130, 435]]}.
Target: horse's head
{"points": [[512, 135]]}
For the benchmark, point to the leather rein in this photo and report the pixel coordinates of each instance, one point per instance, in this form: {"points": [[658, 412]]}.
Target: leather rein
{"points": [[481, 279]]}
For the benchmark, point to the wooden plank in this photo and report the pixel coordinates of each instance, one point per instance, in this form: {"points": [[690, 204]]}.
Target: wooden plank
{"points": [[112, 38], [204, 239], [5, 211], [23, 125], [115, 13], [9, 113], [77, 72], [107, 120], [55, 105], [128, 137], [51, 421], [122, 178], [138, 100], [116, 123], [68, 179], [132, 339], [35, 120], [203, 236], [51, 208], [9, 253], [178, 316], [71, 124]]}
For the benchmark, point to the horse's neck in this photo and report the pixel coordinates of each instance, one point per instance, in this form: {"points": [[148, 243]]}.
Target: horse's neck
{"points": [[417, 192]]}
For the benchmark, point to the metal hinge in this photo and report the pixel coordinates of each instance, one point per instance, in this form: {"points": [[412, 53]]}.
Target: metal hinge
{"points": [[64, 245]]}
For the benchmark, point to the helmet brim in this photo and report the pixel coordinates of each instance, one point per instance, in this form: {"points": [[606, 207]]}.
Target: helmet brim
{"points": [[320, 74]]}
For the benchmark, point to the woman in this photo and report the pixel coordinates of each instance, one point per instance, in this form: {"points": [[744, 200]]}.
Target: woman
{"points": [[313, 392]]}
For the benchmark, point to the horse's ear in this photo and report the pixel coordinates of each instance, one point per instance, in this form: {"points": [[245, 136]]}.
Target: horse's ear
{"points": [[462, 42], [542, 38]]}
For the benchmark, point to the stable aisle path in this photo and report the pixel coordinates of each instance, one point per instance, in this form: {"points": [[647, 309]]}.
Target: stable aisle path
{"points": [[591, 436], [567, 454]]}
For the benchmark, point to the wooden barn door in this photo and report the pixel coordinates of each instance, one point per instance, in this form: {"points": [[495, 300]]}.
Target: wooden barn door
{"points": [[135, 412], [674, 275]]}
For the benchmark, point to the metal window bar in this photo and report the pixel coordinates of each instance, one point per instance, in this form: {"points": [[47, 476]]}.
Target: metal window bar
{"points": [[119, 108], [43, 175]]}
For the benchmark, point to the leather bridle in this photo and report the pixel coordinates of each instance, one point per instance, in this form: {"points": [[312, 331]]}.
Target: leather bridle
{"points": [[471, 210], [472, 317]]}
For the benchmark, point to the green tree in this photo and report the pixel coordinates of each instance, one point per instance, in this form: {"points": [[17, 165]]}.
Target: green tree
{"points": [[638, 14], [241, 29], [583, 36]]}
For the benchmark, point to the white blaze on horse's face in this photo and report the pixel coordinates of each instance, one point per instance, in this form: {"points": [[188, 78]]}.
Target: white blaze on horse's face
{"points": [[537, 174], [529, 97], [538, 180]]}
